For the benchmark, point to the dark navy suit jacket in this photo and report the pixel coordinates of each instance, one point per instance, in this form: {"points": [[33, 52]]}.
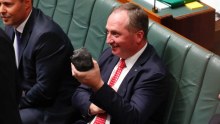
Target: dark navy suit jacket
{"points": [[8, 82], [45, 68], [140, 95]]}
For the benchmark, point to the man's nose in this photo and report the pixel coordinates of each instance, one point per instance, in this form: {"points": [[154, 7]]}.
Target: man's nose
{"points": [[109, 39], [2, 9]]}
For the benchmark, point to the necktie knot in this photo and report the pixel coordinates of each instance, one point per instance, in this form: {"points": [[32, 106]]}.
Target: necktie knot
{"points": [[122, 63], [18, 35]]}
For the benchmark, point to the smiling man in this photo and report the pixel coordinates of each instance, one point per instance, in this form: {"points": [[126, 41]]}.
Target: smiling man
{"points": [[128, 84]]}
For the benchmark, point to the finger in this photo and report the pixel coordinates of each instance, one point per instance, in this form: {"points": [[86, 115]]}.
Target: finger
{"points": [[95, 63], [73, 69], [101, 111]]}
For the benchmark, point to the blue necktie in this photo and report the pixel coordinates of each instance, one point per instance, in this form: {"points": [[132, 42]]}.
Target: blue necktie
{"points": [[19, 42]]}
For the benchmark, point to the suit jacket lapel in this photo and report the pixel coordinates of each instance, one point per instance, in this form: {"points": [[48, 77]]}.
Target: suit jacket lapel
{"points": [[107, 74], [134, 70], [24, 38], [27, 32], [25, 35]]}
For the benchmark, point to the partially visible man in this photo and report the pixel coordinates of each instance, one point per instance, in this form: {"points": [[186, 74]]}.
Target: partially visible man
{"points": [[128, 85], [8, 82], [42, 52]]}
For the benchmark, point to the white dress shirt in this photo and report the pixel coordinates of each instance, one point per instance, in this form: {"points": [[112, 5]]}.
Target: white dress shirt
{"points": [[20, 29], [129, 63]]}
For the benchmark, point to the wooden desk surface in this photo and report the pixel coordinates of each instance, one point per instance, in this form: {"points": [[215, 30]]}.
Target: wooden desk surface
{"points": [[197, 25], [175, 12]]}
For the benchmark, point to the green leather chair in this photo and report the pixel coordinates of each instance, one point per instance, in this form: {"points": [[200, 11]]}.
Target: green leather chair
{"points": [[196, 71], [194, 91], [80, 20], [96, 36]]}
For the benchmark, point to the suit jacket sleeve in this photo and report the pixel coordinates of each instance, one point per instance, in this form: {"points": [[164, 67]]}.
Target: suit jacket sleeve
{"points": [[80, 101], [8, 80], [144, 101]]}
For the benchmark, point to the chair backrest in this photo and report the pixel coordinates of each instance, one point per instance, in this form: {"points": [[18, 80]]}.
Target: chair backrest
{"points": [[95, 39], [80, 22], [83, 20], [196, 84], [196, 71]]}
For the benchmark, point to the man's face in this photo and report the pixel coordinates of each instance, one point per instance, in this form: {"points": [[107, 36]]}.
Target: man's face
{"points": [[122, 41], [13, 12]]}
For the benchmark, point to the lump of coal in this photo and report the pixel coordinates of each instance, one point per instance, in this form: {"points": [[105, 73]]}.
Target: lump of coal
{"points": [[82, 59]]}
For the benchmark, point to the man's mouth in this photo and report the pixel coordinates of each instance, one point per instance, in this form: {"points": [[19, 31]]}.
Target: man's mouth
{"points": [[4, 16], [113, 45]]}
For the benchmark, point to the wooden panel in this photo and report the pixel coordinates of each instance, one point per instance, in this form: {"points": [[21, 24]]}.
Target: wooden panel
{"points": [[124, 1], [198, 26]]}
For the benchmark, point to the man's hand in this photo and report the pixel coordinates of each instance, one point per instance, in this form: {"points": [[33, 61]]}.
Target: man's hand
{"points": [[94, 110], [91, 78]]}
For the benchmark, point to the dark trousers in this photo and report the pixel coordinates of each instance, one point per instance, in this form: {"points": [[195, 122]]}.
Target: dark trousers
{"points": [[31, 116], [45, 116]]}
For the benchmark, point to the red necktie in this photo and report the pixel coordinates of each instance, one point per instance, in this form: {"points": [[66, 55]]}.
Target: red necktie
{"points": [[101, 118]]}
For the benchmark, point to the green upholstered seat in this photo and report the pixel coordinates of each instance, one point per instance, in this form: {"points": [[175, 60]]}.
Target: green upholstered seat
{"points": [[196, 72], [95, 40], [47, 6], [35, 2], [196, 83], [1, 24], [207, 103], [63, 13], [158, 42], [80, 22]]}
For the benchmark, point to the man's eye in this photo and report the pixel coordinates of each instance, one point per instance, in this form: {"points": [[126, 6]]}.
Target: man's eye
{"points": [[115, 34], [8, 4]]}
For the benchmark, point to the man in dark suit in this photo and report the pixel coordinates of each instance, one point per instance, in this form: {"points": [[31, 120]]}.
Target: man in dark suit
{"points": [[140, 89], [8, 80], [42, 55]]}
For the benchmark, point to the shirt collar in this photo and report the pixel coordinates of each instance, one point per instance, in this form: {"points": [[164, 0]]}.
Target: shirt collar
{"points": [[131, 60]]}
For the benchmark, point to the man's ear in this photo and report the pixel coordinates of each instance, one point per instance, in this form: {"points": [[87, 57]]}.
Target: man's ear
{"points": [[140, 35], [28, 4]]}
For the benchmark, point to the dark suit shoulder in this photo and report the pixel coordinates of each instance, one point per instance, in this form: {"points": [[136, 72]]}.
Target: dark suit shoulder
{"points": [[44, 23], [42, 28], [150, 62], [106, 56], [5, 42]]}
